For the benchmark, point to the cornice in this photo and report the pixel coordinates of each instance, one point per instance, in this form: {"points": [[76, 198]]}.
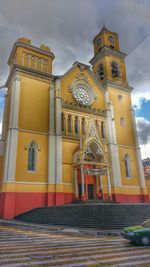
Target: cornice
{"points": [[107, 51], [29, 71], [31, 47], [122, 87], [80, 108]]}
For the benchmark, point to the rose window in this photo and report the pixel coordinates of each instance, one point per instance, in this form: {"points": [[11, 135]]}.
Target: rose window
{"points": [[81, 96]]}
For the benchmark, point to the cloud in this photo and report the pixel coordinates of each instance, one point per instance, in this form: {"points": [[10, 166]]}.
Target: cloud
{"points": [[138, 72], [69, 26], [143, 128], [145, 151]]}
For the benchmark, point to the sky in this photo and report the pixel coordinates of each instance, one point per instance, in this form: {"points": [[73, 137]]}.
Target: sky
{"points": [[69, 26]]}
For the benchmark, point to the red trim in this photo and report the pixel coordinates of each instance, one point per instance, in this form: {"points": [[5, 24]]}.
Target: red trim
{"points": [[130, 198], [12, 204], [7, 205]]}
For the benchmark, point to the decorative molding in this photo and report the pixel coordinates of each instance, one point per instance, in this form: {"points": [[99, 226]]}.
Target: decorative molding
{"points": [[115, 85], [38, 74], [107, 51], [35, 143], [31, 47], [86, 109], [33, 132]]}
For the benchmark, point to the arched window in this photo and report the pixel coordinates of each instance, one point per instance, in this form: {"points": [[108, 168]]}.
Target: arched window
{"points": [[127, 163], [122, 121], [69, 123], [62, 122], [103, 130], [76, 125], [101, 72], [32, 155], [115, 69], [26, 60], [83, 126]]}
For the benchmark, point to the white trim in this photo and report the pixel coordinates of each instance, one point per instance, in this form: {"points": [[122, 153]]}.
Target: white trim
{"points": [[33, 132], [51, 138], [76, 190], [35, 183], [4, 128], [12, 136], [138, 153], [112, 142], [58, 143], [126, 186]]}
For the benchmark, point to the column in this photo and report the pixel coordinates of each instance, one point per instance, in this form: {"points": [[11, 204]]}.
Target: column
{"points": [[58, 146], [138, 154], [112, 143], [80, 125], [76, 190], [109, 185], [73, 124], [12, 135], [100, 182], [82, 184], [66, 123], [4, 129], [51, 147]]}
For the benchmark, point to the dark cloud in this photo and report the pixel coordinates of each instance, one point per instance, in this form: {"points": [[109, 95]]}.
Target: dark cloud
{"points": [[69, 27], [143, 127]]}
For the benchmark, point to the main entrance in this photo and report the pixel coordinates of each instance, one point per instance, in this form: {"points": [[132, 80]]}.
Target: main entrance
{"points": [[90, 165], [90, 191]]}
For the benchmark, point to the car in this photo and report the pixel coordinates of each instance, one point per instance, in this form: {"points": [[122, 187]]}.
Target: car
{"points": [[139, 234]]}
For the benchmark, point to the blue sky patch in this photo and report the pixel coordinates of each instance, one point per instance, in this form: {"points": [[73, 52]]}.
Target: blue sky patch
{"points": [[144, 111]]}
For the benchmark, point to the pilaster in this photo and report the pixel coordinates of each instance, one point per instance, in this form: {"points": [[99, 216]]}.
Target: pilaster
{"points": [[112, 142], [12, 136], [51, 143], [138, 153], [58, 165], [4, 129]]}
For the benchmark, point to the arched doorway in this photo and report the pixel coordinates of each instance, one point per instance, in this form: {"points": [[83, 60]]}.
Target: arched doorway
{"points": [[90, 163]]}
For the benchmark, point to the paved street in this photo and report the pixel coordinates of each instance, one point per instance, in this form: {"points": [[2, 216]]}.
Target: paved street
{"points": [[34, 248]]}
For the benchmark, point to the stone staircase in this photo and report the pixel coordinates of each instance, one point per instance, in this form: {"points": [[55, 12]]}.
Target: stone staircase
{"points": [[91, 215]]}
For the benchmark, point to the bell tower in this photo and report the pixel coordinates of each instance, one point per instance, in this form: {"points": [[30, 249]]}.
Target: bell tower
{"points": [[108, 66], [108, 61]]}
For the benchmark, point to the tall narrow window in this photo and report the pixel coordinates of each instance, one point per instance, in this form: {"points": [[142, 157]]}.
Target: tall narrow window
{"points": [[101, 72], [76, 125], [127, 166], [83, 126], [62, 122], [69, 124], [115, 69], [103, 130], [32, 157]]}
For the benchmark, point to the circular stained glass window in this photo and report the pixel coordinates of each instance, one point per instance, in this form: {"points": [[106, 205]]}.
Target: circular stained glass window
{"points": [[81, 96]]}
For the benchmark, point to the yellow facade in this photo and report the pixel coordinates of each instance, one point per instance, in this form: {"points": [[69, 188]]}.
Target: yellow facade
{"points": [[65, 138]]}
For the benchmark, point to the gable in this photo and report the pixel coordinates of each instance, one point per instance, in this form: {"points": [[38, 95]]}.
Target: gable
{"points": [[81, 76]]}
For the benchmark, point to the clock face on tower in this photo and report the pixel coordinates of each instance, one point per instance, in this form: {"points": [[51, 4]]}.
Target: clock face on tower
{"points": [[81, 96]]}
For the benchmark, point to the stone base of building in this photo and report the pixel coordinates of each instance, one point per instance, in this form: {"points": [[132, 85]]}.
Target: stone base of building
{"points": [[13, 204]]}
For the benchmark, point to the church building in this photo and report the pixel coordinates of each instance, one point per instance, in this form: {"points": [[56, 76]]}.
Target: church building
{"points": [[65, 138]]}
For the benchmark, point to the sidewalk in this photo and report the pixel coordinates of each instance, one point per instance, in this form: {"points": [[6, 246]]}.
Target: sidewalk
{"points": [[12, 223]]}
